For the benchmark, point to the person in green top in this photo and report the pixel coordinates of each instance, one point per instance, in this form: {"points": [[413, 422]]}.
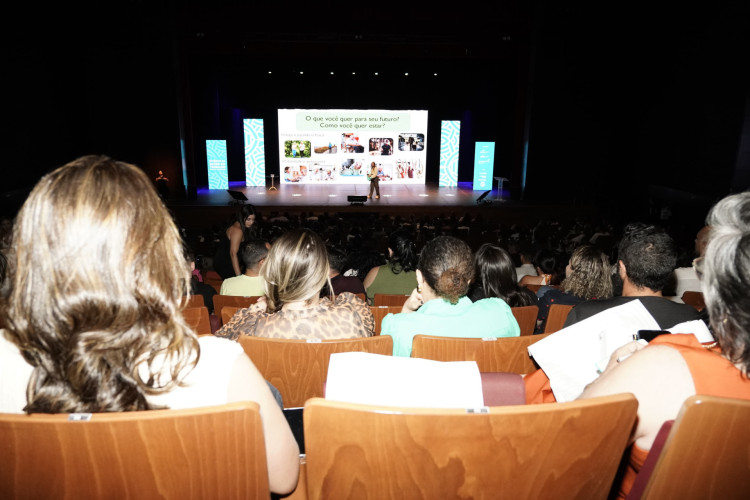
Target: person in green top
{"points": [[398, 275], [439, 306]]}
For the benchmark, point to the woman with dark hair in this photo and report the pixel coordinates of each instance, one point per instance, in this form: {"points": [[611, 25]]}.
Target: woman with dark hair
{"points": [[547, 264], [92, 320], [294, 272], [671, 368], [439, 305], [398, 275], [588, 276], [496, 277], [226, 260]]}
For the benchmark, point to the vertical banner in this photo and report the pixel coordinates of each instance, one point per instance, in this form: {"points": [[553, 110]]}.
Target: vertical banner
{"points": [[484, 162], [255, 152], [450, 133], [216, 159]]}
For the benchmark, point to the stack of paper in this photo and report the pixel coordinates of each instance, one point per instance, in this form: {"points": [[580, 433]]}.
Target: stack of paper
{"points": [[364, 378]]}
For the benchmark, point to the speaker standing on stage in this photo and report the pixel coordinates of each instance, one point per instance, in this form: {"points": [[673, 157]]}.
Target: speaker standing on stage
{"points": [[374, 181]]}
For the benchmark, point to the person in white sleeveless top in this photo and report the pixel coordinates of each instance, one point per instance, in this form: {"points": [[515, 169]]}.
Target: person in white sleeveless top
{"points": [[91, 311]]}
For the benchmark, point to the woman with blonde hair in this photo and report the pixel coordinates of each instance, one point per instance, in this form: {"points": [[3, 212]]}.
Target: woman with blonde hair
{"points": [[295, 271], [439, 305], [588, 276], [92, 320]]}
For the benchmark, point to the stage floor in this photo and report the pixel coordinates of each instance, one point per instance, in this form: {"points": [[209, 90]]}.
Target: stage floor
{"points": [[334, 196], [210, 207]]}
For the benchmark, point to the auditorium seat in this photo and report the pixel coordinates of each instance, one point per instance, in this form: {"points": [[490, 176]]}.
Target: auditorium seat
{"points": [[197, 318], [561, 450], [389, 299], [526, 318], [194, 301], [299, 368], [232, 300], [379, 312], [706, 453], [504, 354], [211, 452], [694, 299], [556, 317]]}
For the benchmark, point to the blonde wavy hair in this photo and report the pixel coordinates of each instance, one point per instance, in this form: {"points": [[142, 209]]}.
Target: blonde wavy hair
{"points": [[296, 269], [97, 281]]}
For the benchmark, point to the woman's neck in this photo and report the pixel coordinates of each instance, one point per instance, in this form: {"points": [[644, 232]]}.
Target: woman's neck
{"points": [[301, 304]]}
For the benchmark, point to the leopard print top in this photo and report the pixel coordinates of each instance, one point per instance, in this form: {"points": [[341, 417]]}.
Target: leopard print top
{"points": [[345, 318]]}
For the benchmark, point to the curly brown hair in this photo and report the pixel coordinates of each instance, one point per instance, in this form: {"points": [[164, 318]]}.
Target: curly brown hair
{"points": [[590, 276], [97, 285], [447, 266]]}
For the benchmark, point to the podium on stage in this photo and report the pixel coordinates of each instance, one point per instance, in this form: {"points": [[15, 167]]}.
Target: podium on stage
{"points": [[500, 181]]}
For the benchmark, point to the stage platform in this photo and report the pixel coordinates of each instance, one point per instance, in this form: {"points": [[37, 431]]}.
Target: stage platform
{"points": [[215, 205]]}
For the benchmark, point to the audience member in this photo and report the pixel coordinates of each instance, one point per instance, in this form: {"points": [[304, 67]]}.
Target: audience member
{"points": [[398, 275], [199, 288], [526, 268], [496, 277], [646, 261], [685, 277], [546, 264], [226, 260], [337, 259], [92, 321], [250, 283], [587, 277], [674, 367], [295, 271], [439, 305]]}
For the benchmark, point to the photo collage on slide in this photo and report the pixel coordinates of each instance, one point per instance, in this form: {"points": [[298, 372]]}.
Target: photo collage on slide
{"points": [[346, 157]]}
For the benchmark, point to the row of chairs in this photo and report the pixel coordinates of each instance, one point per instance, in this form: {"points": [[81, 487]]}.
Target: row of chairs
{"points": [[299, 369], [197, 315], [561, 450]]}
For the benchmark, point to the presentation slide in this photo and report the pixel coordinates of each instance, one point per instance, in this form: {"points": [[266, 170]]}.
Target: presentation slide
{"points": [[339, 146]]}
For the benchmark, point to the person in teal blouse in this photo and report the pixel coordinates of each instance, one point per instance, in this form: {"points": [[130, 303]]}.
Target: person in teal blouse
{"points": [[439, 306]]}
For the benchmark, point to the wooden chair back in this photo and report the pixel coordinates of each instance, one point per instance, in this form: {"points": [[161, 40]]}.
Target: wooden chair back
{"points": [[694, 299], [389, 299], [220, 301], [561, 450], [556, 317], [533, 288], [227, 312], [526, 318], [194, 301], [505, 354], [299, 368], [362, 297], [197, 318], [707, 452], [379, 312], [211, 452]]}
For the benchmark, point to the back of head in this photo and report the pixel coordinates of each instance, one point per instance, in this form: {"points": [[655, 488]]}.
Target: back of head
{"points": [[648, 254], [253, 252], [404, 250], [337, 259], [726, 276], [97, 278], [495, 271], [590, 276], [447, 266], [547, 261], [295, 269]]}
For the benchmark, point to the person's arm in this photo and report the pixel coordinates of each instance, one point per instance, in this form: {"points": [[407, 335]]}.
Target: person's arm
{"points": [[370, 278], [657, 376], [413, 303], [235, 238], [282, 452]]}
